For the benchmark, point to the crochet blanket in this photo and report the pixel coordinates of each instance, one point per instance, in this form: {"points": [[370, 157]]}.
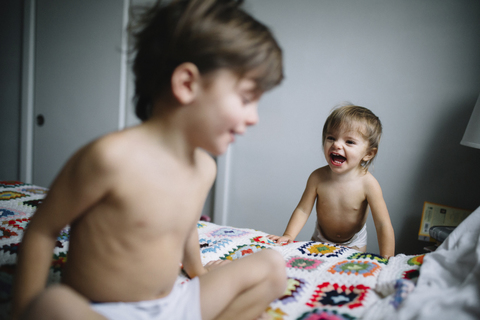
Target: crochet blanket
{"points": [[324, 281]]}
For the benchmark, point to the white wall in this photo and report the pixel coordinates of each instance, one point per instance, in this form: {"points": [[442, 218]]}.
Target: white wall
{"points": [[414, 63]]}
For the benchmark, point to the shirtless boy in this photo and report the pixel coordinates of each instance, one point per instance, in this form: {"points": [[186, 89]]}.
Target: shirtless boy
{"points": [[133, 198], [344, 189]]}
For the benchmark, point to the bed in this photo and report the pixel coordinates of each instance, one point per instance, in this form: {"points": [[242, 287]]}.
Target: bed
{"points": [[324, 281]]}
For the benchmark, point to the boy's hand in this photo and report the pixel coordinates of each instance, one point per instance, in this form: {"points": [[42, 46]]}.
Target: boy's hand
{"points": [[282, 239], [215, 264]]}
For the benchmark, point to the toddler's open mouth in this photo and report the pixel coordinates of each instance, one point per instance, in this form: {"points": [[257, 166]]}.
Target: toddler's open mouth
{"points": [[337, 159]]}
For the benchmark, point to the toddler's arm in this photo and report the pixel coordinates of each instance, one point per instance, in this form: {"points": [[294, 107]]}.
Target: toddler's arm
{"points": [[381, 218], [302, 211]]}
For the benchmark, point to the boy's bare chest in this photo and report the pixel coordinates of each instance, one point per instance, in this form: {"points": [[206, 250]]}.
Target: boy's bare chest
{"points": [[147, 222], [162, 202], [151, 201]]}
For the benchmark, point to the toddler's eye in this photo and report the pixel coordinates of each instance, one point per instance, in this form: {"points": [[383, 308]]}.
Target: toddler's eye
{"points": [[350, 142], [330, 138]]}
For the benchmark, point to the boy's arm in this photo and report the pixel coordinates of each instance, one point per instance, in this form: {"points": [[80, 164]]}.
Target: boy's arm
{"points": [[80, 184], [302, 211], [192, 263], [381, 218], [34, 260]]}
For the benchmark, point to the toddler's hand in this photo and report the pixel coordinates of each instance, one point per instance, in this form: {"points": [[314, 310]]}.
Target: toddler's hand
{"points": [[272, 237], [282, 239]]}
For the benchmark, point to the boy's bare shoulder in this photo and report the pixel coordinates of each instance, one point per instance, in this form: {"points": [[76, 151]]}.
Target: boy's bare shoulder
{"points": [[103, 157], [126, 154], [91, 158], [106, 152], [88, 175]]}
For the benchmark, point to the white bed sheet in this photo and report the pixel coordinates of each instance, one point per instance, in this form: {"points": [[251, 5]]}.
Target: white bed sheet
{"points": [[449, 283]]}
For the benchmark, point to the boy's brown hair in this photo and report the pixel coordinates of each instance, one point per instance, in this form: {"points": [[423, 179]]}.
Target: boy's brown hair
{"points": [[212, 34], [351, 117]]}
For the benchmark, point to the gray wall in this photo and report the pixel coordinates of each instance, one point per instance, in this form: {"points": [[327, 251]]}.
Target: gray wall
{"points": [[416, 64]]}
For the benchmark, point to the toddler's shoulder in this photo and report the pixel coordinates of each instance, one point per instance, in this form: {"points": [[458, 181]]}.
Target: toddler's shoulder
{"points": [[368, 177], [320, 173], [370, 183]]}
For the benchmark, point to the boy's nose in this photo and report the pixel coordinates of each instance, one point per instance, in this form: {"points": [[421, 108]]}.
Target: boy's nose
{"points": [[252, 115]]}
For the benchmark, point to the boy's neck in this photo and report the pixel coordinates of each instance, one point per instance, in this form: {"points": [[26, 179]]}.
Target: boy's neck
{"points": [[170, 135]]}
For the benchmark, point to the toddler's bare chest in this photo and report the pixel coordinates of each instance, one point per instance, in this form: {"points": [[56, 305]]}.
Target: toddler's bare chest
{"points": [[341, 198]]}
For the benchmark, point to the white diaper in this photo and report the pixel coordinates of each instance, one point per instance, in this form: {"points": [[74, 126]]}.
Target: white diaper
{"points": [[359, 240], [183, 302]]}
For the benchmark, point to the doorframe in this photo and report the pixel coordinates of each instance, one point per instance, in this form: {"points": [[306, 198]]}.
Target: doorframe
{"points": [[27, 92], [122, 107], [27, 109], [221, 189]]}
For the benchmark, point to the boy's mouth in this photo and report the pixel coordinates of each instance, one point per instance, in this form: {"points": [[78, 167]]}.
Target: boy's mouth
{"points": [[337, 159]]}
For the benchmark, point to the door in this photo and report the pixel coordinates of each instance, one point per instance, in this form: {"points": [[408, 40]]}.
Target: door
{"points": [[77, 79]]}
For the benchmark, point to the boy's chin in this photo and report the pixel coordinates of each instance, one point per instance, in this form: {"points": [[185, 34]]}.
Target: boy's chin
{"points": [[221, 151], [217, 151]]}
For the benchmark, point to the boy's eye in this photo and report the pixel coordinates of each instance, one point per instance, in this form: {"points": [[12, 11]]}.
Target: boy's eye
{"points": [[330, 138], [246, 100], [350, 142]]}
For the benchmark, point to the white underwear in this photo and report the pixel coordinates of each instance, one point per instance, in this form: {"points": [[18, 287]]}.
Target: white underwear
{"points": [[183, 302], [359, 240]]}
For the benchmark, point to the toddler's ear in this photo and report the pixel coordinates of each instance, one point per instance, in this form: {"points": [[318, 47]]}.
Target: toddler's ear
{"points": [[370, 154], [185, 81]]}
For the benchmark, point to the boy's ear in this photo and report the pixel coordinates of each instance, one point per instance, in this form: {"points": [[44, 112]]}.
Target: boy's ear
{"points": [[370, 154], [185, 82]]}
